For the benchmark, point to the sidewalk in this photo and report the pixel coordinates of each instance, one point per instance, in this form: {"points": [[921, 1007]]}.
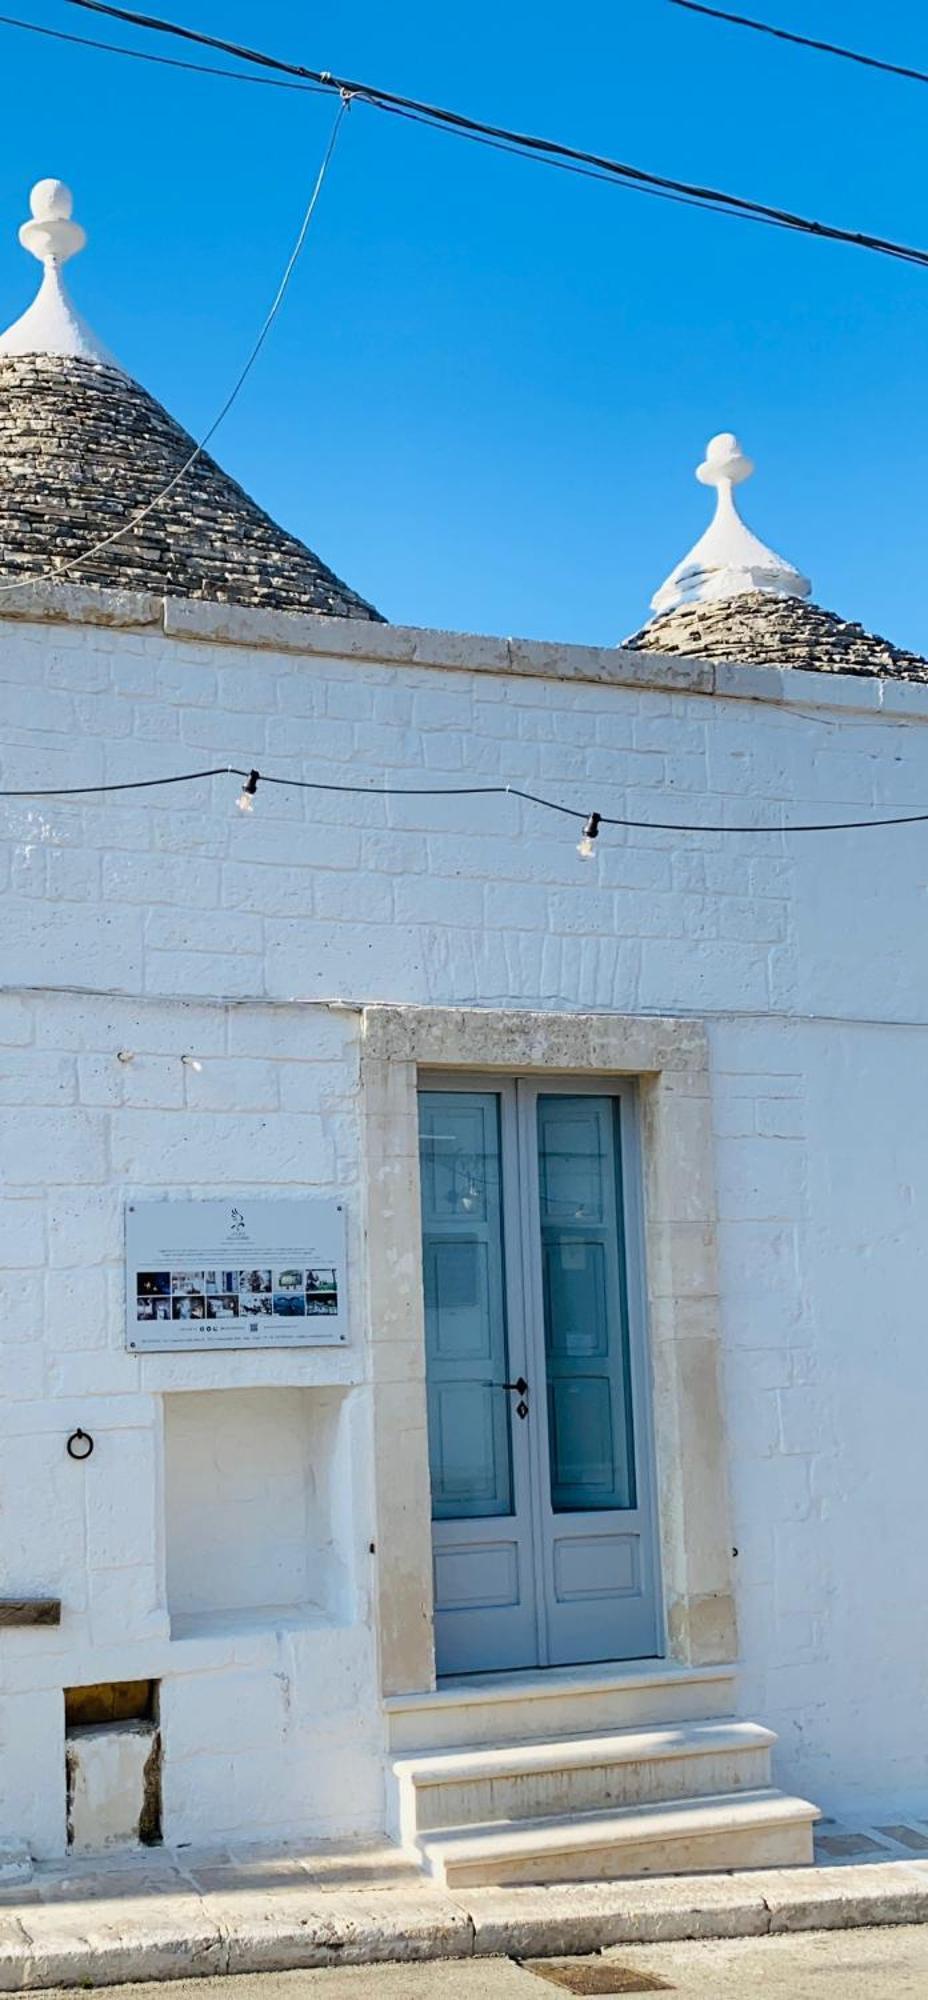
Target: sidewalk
{"points": [[170, 1914]]}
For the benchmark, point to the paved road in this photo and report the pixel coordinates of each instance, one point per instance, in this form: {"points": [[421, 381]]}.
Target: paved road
{"points": [[824, 1965]]}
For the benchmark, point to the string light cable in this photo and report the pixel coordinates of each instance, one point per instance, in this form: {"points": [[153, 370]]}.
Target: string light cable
{"points": [[550, 152], [803, 41], [86, 555], [590, 822]]}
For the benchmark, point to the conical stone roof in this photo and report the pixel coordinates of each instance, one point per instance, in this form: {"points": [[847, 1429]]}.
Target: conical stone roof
{"points": [[775, 632], [84, 449], [733, 599]]}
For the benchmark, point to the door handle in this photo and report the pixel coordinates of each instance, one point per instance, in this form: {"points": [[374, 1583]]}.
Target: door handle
{"points": [[521, 1390]]}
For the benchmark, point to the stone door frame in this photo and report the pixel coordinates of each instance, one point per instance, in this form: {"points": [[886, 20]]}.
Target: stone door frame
{"points": [[669, 1058]]}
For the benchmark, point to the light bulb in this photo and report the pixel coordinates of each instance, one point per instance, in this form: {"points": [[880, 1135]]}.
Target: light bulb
{"points": [[246, 797], [586, 847]]}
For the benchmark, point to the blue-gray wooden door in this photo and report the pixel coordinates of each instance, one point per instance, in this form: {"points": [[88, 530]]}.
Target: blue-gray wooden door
{"points": [[543, 1518]]}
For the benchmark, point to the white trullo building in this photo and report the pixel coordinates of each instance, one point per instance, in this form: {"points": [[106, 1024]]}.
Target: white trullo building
{"points": [[463, 1361]]}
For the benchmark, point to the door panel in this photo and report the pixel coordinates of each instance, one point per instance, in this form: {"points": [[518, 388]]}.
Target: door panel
{"points": [[485, 1611], [478, 1574], [595, 1566], [598, 1567], [543, 1528]]}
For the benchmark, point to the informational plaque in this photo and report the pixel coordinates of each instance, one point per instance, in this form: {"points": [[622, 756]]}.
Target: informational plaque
{"points": [[234, 1274]]}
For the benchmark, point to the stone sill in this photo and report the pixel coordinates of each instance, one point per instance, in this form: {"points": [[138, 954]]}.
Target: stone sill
{"points": [[263, 1618], [361, 639]]}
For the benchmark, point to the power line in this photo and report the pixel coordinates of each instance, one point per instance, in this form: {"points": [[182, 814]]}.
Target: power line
{"points": [[286, 83], [253, 778], [553, 152], [128, 527], [161, 62], [323, 90], [803, 41]]}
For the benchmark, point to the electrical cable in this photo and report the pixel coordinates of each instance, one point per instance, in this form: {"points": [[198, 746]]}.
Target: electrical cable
{"points": [[106, 541], [529, 145], [803, 41], [125, 785], [254, 777], [162, 62], [322, 90]]}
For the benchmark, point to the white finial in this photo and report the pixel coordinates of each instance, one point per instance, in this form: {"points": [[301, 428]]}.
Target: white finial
{"points": [[51, 235], [727, 560], [724, 461], [52, 325]]}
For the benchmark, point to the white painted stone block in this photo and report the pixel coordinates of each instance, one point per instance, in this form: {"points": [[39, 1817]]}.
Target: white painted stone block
{"points": [[32, 1767], [15, 1862], [107, 1773]]}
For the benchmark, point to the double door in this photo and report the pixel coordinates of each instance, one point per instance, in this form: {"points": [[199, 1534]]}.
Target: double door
{"points": [[543, 1518]]}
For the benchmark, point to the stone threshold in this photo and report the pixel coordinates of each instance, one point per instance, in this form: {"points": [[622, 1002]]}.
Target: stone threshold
{"points": [[173, 1915]]}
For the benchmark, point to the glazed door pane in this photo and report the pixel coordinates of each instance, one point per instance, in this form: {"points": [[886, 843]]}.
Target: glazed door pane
{"points": [[465, 1306], [591, 1440]]}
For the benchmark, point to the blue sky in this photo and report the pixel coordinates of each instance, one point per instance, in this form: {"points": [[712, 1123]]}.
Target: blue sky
{"points": [[491, 382]]}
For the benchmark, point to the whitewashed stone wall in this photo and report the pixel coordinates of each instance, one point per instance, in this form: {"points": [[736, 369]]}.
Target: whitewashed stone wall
{"points": [[195, 930], [267, 1731]]}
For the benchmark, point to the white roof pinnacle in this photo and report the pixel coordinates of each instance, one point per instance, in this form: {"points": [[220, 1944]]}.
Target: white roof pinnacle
{"points": [[727, 560], [51, 325]]}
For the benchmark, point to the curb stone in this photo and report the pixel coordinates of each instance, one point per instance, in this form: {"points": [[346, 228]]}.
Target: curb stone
{"points": [[342, 1929], [106, 1941], [589, 1916], [843, 1898]]}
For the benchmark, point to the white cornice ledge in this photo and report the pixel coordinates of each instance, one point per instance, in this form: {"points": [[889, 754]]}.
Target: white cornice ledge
{"points": [[191, 621]]}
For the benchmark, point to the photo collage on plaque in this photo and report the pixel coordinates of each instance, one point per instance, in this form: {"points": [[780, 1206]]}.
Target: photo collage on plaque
{"points": [[292, 1291]]}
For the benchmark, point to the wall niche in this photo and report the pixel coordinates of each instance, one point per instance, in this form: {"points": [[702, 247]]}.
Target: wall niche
{"points": [[257, 1509]]}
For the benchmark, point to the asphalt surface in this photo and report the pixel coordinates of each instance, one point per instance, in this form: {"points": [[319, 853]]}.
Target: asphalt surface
{"points": [[889, 1964]]}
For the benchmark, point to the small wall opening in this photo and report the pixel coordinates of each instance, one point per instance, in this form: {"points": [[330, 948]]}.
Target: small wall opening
{"points": [[110, 1701], [257, 1508], [112, 1765]]}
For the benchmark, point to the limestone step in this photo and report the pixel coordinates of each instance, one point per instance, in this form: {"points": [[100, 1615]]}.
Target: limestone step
{"points": [[575, 1774], [761, 1829], [479, 1709]]}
